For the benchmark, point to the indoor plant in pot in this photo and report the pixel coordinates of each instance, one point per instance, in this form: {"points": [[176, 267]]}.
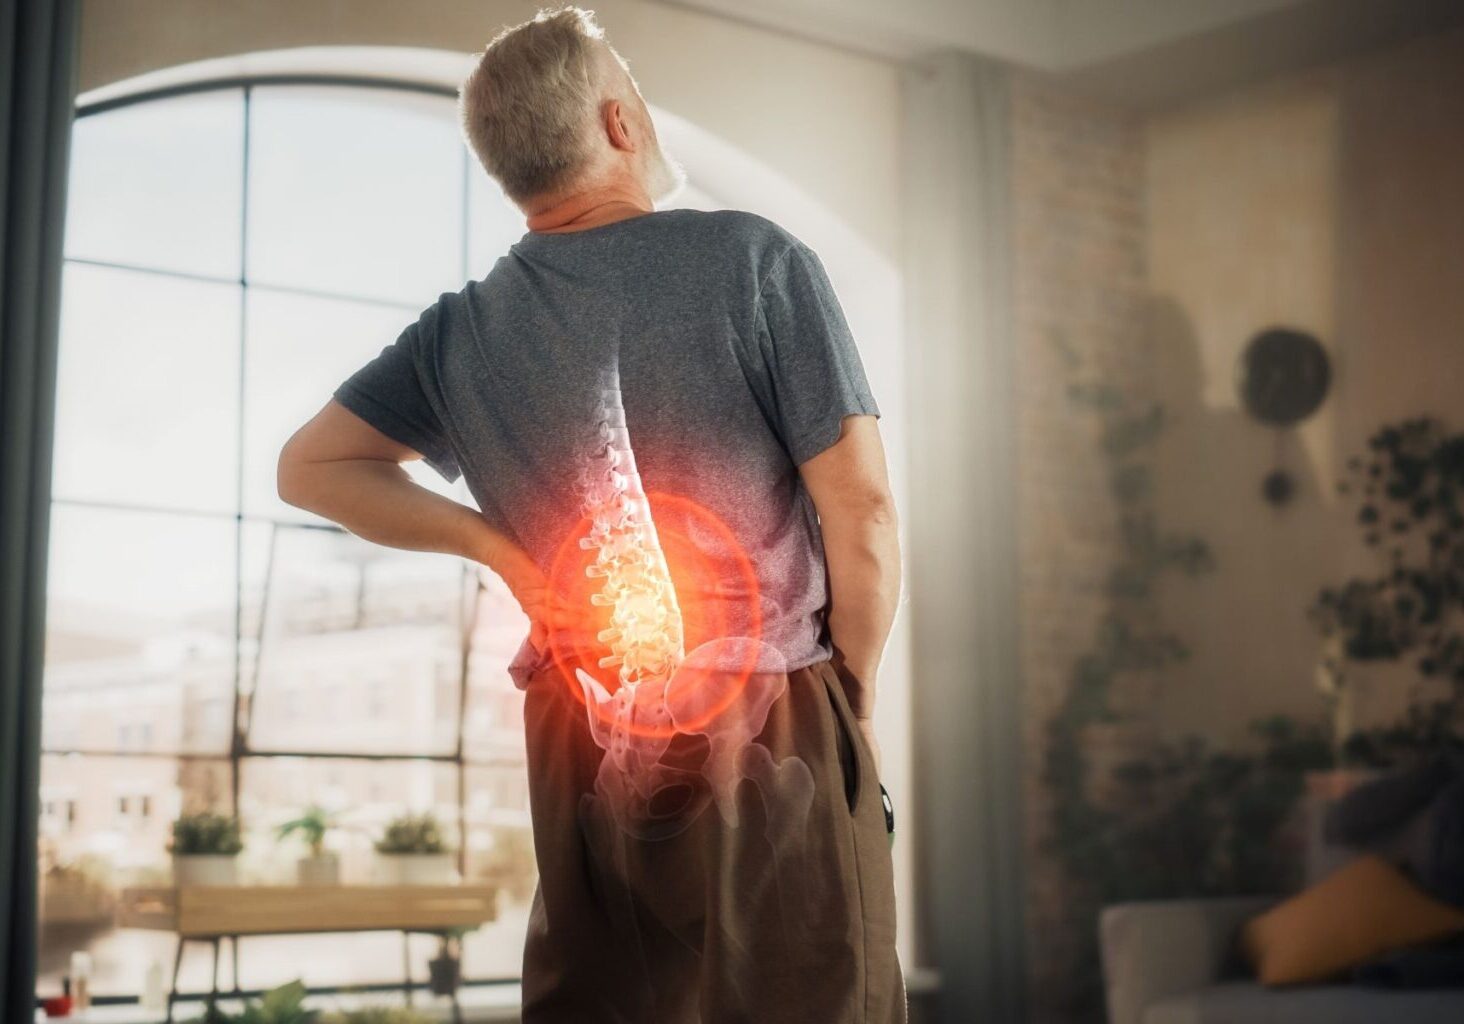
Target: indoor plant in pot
{"points": [[445, 971], [322, 867], [205, 849], [412, 852]]}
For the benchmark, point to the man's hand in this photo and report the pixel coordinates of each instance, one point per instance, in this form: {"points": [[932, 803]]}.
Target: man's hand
{"points": [[866, 729], [530, 588], [856, 684]]}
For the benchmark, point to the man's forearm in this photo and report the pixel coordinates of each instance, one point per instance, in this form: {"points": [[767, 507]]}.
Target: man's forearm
{"points": [[378, 501], [863, 555]]}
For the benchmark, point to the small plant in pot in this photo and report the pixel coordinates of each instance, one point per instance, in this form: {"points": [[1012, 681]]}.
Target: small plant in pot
{"points": [[205, 849], [445, 971], [412, 852], [322, 867]]}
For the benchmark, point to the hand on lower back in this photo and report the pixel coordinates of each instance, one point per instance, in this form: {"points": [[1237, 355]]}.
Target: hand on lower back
{"points": [[530, 588]]}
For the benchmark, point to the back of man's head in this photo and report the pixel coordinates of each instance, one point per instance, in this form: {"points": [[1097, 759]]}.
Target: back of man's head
{"points": [[530, 107]]}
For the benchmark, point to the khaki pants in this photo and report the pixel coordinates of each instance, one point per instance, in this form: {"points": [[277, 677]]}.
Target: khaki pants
{"points": [[786, 916]]}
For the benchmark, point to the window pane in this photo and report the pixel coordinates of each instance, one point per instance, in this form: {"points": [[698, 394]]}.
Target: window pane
{"points": [[361, 648], [90, 848], [158, 184], [139, 660], [500, 853], [299, 348], [494, 728], [139, 632], [493, 222], [147, 395], [355, 192], [364, 796]]}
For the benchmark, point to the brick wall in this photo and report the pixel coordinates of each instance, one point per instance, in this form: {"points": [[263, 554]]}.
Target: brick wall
{"points": [[1078, 281]]}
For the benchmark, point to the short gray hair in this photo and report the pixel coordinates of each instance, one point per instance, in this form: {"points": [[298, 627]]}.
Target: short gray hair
{"points": [[527, 108]]}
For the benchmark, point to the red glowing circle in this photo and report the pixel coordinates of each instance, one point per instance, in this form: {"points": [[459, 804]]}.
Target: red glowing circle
{"points": [[693, 573]]}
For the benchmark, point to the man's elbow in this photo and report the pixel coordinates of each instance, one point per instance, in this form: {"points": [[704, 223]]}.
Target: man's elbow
{"points": [[873, 508], [291, 476], [882, 510], [874, 502]]}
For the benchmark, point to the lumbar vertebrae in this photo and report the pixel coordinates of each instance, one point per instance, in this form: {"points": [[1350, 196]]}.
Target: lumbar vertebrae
{"points": [[645, 633], [662, 690]]}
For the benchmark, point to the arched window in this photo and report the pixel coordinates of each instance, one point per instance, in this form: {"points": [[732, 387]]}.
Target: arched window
{"points": [[233, 251]]}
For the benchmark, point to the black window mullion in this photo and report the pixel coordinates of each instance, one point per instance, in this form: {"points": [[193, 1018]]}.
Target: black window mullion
{"points": [[236, 734]]}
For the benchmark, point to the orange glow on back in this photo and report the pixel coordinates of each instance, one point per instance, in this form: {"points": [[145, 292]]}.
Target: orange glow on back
{"points": [[637, 616]]}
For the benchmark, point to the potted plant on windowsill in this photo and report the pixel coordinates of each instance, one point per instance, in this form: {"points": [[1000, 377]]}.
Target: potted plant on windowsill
{"points": [[205, 849], [322, 867], [412, 852]]}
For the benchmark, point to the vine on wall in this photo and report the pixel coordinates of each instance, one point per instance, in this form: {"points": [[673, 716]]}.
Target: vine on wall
{"points": [[1181, 819]]}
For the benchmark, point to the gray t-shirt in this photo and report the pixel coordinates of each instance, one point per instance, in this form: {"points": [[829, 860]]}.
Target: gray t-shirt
{"points": [[735, 364]]}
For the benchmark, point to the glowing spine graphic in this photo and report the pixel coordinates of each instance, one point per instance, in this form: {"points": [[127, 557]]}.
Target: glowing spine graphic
{"points": [[645, 633], [664, 690]]}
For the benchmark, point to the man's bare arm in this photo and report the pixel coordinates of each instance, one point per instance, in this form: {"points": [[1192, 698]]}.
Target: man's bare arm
{"points": [[340, 467], [850, 488]]}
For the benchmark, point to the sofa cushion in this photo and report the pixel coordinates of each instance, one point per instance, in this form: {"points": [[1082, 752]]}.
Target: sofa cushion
{"points": [[1361, 910], [1250, 1003]]}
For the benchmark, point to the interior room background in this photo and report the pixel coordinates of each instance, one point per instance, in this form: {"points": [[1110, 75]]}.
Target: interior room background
{"points": [[1140, 237]]}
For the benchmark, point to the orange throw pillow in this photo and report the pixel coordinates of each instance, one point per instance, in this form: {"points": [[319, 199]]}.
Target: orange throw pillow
{"points": [[1365, 908]]}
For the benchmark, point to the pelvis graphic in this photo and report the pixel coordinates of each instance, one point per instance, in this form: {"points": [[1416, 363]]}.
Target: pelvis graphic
{"points": [[663, 692]]}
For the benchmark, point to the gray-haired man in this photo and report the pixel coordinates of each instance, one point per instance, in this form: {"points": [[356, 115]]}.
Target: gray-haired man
{"points": [[664, 421]]}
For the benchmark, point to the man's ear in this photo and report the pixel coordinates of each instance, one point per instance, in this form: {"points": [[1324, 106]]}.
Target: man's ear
{"points": [[617, 129]]}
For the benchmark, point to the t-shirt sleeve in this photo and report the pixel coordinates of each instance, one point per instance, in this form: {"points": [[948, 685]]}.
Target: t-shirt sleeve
{"points": [[816, 373], [394, 393]]}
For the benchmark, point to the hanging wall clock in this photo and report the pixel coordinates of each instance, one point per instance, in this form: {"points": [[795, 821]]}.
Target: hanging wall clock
{"points": [[1283, 376]]}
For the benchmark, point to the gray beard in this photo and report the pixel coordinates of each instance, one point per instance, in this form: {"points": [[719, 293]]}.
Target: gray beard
{"points": [[664, 176]]}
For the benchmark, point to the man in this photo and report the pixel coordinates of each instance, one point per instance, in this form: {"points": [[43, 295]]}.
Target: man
{"points": [[663, 419]]}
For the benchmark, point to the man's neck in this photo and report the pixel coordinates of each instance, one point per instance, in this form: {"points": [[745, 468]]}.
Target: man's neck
{"points": [[590, 208]]}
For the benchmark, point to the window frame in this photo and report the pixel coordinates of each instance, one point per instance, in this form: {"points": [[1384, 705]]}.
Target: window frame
{"points": [[245, 692]]}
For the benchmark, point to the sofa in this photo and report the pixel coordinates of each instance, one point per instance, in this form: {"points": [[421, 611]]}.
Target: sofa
{"points": [[1173, 962], [1177, 961]]}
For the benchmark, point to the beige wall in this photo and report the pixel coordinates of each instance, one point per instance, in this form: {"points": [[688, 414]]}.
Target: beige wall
{"points": [[1078, 312], [1331, 201]]}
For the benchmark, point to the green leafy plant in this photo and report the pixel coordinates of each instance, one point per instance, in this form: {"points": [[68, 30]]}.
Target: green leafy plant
{"points": [[312, 826], [1410, 494], [412, 833], [282, 1005], [205, 834]]}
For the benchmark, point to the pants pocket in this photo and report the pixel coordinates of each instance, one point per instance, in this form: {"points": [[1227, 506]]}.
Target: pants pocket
{"points": [[847, 739]]}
